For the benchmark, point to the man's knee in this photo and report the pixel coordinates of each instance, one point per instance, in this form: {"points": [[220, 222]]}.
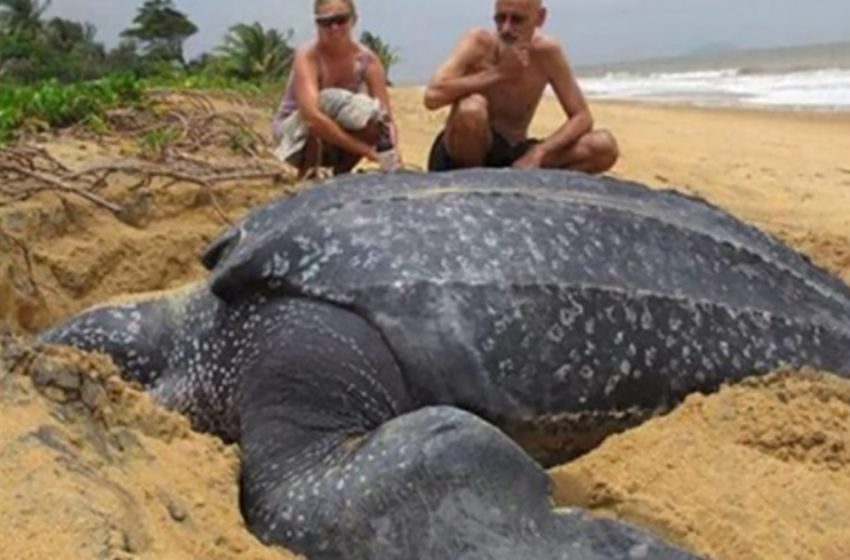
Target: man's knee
{"points": [[605, 150], [471, 115], [467, 135], [472, 107]]}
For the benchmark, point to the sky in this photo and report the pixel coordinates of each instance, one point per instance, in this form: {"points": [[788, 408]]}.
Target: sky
{"points": [[593, 31]]}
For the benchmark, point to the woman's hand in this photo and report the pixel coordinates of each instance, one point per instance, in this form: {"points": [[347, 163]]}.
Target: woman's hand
{"points": [[371, 154]]}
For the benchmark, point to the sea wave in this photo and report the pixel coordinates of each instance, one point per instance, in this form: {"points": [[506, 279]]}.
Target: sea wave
{"points": [[824, 88]]}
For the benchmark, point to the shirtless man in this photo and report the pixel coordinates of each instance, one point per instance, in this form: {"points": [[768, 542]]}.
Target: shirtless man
{"points": [[494, 83]]}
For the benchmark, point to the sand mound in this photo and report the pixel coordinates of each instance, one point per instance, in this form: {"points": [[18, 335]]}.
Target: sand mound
{"points": [[91, 468], [759, 471]]}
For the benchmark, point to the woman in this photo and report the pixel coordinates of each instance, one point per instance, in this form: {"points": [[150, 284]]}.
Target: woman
{"points": [[325, 118]]}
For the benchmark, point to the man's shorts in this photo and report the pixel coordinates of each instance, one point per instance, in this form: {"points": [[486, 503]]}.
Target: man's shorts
{"points": [[502, 153]]}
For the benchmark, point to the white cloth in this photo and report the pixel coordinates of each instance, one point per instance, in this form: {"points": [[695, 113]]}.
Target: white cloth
{"points": [[351, 111]]}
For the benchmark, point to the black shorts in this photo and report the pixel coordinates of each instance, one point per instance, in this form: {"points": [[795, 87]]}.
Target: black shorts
{"points": [[501, 154]]}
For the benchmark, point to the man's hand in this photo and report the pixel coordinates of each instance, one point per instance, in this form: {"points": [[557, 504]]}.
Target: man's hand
{"points": [[513, 59], [533, 159]]}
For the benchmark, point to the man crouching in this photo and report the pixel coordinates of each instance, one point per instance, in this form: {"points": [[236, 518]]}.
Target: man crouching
{"points": [[494, 82]]}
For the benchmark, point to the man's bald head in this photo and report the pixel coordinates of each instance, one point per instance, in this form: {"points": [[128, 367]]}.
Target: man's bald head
{"points": [[528, 4], [517, 20]]}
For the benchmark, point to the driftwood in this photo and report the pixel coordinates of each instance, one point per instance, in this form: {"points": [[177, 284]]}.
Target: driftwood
{"points": [[184, 121], [25, 171], [171, 134], [182, 139]]}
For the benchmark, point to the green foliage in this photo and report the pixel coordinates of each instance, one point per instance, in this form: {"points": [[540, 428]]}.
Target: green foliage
{"points": [[388, 55], [66, 35], [28, 59], [97, 124], [11, 118], [32, 50], [22, 16], [252, 53], [126, 58], [200, 81], [53, 73], [162, 29], [153, 144], [57, 105]]}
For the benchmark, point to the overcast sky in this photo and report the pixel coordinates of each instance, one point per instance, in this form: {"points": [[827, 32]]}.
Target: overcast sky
{"points": [[593, 31]]}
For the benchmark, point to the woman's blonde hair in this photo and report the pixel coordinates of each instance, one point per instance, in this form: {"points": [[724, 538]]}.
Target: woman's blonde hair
{"points": [[349, 4]]}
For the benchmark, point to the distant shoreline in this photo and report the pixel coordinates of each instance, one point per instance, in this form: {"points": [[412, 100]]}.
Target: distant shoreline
{"points": [[683, 103], [808, 112], [827, 112], [810, 78], [766, 60]]}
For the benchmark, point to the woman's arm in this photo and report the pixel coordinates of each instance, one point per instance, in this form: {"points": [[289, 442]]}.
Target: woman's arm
{"points": [[306, 82], [376, 81]]}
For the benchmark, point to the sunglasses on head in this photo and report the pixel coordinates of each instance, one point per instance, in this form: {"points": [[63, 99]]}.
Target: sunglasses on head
{"points": [[514, 19], [336, 19]]}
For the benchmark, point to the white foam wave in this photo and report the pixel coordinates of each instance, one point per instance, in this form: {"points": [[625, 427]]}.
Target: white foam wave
{"points": [[827, 88]]}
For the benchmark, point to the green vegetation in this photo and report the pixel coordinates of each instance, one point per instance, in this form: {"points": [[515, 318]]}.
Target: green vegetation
{"points": [[58, 105], [54, 73], [388, 55], [253, 53], [154, 143], [22, 16], [162, 29]]}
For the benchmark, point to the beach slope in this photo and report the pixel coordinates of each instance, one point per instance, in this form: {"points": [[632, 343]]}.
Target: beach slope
{"points": [[89, 468]]}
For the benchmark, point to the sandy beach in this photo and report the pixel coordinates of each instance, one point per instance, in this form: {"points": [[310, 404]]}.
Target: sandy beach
{"points": [[757, 471]]}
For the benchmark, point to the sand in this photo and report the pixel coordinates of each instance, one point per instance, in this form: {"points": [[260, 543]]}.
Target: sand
{"points": [[760, 470], [91, 468]]}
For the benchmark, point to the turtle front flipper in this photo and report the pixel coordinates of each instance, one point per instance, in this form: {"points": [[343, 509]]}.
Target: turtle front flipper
{"points": [[137, 335], [337, 463]]}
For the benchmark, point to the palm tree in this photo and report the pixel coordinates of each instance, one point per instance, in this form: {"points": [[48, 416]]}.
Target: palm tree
{"points": [[162, 28], [387, 54], [65, 35], [252, 52], [22, 16]]}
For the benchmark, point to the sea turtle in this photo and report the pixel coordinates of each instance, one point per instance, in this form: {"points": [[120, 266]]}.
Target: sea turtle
{"points": [[372, 343]]}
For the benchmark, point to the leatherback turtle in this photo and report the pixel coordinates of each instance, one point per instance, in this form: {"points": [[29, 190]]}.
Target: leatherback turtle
{"points": [[370, 343]]}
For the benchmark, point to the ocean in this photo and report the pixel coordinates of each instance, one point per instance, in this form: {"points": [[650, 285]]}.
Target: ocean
{"points": [[813, 77]]}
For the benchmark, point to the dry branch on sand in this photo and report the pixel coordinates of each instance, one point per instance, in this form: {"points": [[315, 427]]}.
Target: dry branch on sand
{"points": [[186, 121], [27, 171], [178, 126]]}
